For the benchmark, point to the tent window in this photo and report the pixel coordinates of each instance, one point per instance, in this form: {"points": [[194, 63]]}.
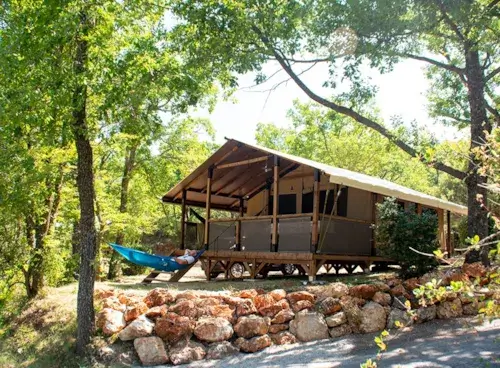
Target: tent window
{"points": [[307, 202], [287, 204]]}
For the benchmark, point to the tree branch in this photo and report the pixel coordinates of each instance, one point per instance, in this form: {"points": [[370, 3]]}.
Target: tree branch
{"points": [[451, 68], [492, 74], [353, 114], [450, 22]]}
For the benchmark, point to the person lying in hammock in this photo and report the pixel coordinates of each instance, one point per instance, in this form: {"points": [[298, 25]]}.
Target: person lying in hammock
{"points": [[187, 258]]}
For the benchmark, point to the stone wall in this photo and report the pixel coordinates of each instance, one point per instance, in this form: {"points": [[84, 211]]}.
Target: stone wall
{"points": [[179, 327]]}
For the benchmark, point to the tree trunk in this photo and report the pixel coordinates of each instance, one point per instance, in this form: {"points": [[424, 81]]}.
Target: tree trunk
{"points": [[477, 221], [85, 184], [115, 262]]}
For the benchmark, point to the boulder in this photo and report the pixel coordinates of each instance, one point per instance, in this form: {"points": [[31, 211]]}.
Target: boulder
{"points": [[151, 350], [186, 351], [222, 311], [208, 301], [381, 286], [381, 298], [213, 329], [474, 269], [140, 327], [157, 297], [336, 320], [364, 291], [283, 338], [126, 299], [284, 316], [113, 303], [219, 350], [471, 309], [449, 309], [351, 308], [263, 301], [426, 314], [158, 311], [300, 295], [278, 294], [341, 330], [309, 326], [397, 315], [250, 326], [254, 344], [274, 309], [245, 307], [173, 328], [373, 318], [185, 308], [411, 284], [110, 321], [398, 290], [273, 329], [186, 295], [103, 293], [250, 294], [336, 290], [329, 306], [399, 302], [301, 305], [133, 311]]}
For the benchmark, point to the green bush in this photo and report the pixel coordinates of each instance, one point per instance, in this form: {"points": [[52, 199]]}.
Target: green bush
{"points": [[398, 230]]}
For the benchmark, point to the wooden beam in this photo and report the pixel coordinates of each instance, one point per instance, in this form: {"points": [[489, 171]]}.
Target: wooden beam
{"points": [[241, 163], [252, 193], [238, 226], [263, 217], [315, 216], [374, 220], [276, 196], [441, 235], [419, 209], [208, 204], [449, 247], [183, 219]]}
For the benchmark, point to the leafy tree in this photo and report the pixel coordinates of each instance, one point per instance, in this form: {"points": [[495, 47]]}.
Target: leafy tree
{"points": [[457, 39]]}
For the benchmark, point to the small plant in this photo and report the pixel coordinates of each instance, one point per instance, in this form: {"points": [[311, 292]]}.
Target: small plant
{"points": [[398, 230]]}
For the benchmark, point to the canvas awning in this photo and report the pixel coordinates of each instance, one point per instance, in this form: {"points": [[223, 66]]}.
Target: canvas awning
{"points": [[252, 172]]}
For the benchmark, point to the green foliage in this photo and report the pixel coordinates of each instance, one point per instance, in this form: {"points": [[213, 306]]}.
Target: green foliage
{"points": [[398, 230]]}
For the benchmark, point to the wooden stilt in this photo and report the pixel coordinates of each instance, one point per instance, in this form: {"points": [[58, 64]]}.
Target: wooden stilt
{"points": [[208, 206], [312, 271], [274, 236], [315, 217]]}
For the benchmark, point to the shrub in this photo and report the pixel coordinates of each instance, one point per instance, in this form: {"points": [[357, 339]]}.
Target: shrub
{"points": [[398, 230]]}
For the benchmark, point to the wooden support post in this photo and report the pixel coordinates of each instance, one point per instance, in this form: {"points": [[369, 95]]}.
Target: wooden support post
{"points": [[238, 225], [276, 195], [312, 271], [419, 209], [183, 219], [441, 235], [449, 248], [315, 216], [374, 220], [208, 206]]}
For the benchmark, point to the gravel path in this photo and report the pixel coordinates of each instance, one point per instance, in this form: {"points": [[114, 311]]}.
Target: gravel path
{"points": [[452, 343]]}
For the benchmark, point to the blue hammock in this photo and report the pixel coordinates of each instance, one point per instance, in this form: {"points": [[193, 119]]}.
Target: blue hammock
{"points": [[161, 263]]}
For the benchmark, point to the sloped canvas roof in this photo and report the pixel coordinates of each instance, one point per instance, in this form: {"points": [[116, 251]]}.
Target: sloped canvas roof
{"points": [[243, 181]]}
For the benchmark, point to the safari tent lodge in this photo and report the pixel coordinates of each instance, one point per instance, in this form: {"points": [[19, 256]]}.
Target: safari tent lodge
{"points": [[283, 209]]}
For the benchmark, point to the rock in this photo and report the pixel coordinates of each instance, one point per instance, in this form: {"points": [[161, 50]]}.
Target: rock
{"points": [[283, 338], [399, 302], [382, 287], [341, 330], [110, 321], [301, 305], [455, 275], [151, 350], [398, 290], [186, 351], [185, 308], [213, 329], [158, 311], [254, 344], [173, 328], [222, 311], [397, 315], [381, 298], [411, 284], [208, 301], [471, 309], [425, 314], [103, 293], [263, 301], [186, 295], [250, 326], [157, 297], [245, 307], [284, 316], [309, 326], [113, 303], [273, 329], [329, 306], [274, 309], [449, 309], [474, 269], [336, 320], [250, 294], [364, 291], [349, 300], [133, 311], [373, 318], [336, 290], [219, 350], [297, 296], [140, 327], [278, 294]]}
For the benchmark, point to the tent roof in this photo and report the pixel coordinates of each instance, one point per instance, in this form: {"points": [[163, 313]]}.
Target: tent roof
{"points": [[229, 184]]}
